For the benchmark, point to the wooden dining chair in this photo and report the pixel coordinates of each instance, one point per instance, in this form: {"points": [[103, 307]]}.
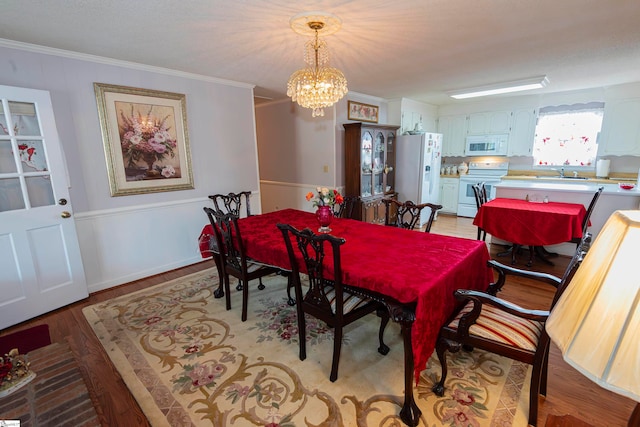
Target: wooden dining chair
{"points": [[233, 259], [585, 220], [326, 298], [345, 209], [232, 202], [407, 214], [433, 210], [480, 193], [490, 323]]}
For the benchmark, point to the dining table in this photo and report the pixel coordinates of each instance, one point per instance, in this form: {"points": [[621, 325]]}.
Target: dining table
{"points": [[533, 223], [415, 275]]}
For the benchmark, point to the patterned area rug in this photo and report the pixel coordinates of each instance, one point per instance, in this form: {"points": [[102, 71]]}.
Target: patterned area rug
{"points": [[188, 361]]}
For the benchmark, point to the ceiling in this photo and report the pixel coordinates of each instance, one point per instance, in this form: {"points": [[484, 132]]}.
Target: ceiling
{"points": [[417, 49]]}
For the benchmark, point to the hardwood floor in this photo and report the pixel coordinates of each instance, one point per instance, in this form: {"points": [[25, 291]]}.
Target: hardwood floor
{"points": [[569, 392]]}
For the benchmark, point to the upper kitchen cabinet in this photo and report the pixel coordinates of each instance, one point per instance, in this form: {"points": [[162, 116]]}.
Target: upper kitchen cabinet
{"points": [[454, 134], [620, 135], [489, 123], [523, 129]]}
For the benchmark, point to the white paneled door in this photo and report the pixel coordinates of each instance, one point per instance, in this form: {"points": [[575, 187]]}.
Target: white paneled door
{"points": [[40, 263]]}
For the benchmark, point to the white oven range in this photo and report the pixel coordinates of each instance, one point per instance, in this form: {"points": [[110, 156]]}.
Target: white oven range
{"points": [[489, 172]]}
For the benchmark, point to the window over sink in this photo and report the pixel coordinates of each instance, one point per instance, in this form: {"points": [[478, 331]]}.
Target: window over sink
{"points": [[567, 135]]}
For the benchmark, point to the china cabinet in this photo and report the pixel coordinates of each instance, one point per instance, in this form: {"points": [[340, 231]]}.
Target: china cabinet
{"points": [[369, 152]]}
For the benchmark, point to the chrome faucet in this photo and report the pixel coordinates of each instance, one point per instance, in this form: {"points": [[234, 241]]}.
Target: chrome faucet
{"points": [[561, 172]]}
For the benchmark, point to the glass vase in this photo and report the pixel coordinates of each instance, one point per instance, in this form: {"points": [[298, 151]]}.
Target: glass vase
{"points": [[324, 215]]}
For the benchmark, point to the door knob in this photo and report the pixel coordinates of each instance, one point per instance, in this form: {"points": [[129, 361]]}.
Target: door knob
{"points": [[62, 202], [65, 214]]}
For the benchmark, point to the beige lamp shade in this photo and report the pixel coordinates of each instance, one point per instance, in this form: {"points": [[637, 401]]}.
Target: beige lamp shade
{"points": [[596, 322]]}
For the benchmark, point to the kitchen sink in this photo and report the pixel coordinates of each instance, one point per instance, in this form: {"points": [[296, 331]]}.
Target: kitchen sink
{"points": [[561, 177]]}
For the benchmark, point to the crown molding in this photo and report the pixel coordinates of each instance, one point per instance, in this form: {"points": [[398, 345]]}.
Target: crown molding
{"points": [[12, 44]]}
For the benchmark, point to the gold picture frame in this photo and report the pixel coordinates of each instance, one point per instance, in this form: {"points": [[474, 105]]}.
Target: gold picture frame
{"points": [[362, 112], [145, 138]]}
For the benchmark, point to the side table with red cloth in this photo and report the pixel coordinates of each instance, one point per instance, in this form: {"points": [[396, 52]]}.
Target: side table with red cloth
{"points": [[530, 223]]}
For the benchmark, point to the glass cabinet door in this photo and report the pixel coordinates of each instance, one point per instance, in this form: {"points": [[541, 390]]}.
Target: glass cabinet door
{"points": [[366, 157], [378, 163], [390, 160]]}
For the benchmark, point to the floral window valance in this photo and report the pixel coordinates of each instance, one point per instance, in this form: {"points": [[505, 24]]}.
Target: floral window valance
{"points": [[567, 135]]}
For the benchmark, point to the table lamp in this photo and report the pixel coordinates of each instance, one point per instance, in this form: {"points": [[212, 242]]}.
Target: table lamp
{"points": [[596, 322]]}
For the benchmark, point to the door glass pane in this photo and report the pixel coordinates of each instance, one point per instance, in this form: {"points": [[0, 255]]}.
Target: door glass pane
{"points": [[367, 161], [32, 156], [40, 191], [25, 120], [10, 195], [7, 162]]}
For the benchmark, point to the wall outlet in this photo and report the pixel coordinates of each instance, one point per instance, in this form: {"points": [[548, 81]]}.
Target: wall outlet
{"points": [[325, 168]]}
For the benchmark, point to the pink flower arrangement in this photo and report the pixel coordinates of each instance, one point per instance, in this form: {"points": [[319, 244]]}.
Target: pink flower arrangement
{"points": [[145, 138], [324, 197]]}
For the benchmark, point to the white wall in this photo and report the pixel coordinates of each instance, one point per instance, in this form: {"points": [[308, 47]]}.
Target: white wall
{"points": [[129, 237], [294, 149]]}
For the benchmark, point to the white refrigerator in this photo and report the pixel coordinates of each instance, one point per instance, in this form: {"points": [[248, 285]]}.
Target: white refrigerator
{"points": [[418, 159]]}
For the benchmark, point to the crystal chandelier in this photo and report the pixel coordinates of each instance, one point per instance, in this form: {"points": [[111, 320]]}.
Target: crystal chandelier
{"points": [[317, 86]]}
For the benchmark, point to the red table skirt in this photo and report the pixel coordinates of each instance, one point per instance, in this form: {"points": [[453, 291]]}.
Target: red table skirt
{"points": [[530, 223]]}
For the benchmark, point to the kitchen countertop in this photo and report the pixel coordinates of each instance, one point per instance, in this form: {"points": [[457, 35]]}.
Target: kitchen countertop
{"points": [[577, 186]]}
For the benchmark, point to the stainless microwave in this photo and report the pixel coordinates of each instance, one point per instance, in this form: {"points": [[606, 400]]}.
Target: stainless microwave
{"points": [[486, 145]]}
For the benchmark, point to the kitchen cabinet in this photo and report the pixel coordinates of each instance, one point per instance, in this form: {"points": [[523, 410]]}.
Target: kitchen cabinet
{"points": [[620, 134], [523, 130], [489, 123], [369, 153], [449, 195], [454, 134]]}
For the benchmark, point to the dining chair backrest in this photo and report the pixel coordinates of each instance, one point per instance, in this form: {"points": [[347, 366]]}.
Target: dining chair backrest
{"points": [[433, 208], [232, 202], [587, 216], [480, 193], [345, 209], [228, 238], [407, 214]]}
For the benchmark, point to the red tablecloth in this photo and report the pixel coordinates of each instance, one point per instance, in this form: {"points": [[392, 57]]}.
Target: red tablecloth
{"points": [[410, 266], [530, 223]]}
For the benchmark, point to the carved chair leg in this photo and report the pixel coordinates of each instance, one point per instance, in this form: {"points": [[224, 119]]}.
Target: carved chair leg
{"points": [[544, 374], [533, 395], [261, 285], [442, 346], [245, 299], [290, 299], [302, 325], [337, 345], [219, 293], [383, 313]]}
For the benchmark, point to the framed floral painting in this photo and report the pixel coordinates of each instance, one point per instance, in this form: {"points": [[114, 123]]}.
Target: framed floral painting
{"points": [[362, 112], [146, 142]]}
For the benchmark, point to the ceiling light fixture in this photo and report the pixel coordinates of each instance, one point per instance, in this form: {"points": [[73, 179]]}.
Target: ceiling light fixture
{"points": [[317, 86], [506, 87]]}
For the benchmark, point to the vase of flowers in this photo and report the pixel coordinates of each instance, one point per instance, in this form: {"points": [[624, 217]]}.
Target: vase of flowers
{"points": [[145, 138], [324, 199]]}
